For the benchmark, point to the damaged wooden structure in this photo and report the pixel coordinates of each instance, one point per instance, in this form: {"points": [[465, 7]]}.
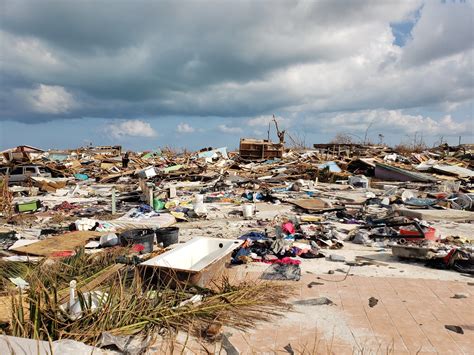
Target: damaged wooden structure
{"points": [[260, 149], [22, 153]]}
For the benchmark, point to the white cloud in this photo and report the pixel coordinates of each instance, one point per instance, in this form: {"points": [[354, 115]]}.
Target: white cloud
{"points": [[52, 99], [392, 121], [264, 120], [130, 128], [231, 130], [26, 52], [184, 128]]}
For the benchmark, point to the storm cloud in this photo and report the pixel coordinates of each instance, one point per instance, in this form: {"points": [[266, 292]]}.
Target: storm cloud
{"points": [[238, 60]]}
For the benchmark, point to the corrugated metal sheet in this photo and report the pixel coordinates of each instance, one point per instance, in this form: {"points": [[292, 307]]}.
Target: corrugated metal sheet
{"points": [[454, 170], [389, 172]]}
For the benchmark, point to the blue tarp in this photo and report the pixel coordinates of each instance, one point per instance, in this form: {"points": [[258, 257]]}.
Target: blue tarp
{"points": [[213, 153], [333, 167], [81, 176]]}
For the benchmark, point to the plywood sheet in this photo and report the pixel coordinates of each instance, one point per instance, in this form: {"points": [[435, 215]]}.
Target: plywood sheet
{"points": [[314, 204], [6, 308], [62, 242]]}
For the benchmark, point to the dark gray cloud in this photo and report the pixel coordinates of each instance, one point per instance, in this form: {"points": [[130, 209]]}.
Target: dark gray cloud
{"points": [[145, 58]]}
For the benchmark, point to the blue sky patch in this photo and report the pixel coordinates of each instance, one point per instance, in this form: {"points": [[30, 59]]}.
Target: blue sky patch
{"points": [[402, 30]]}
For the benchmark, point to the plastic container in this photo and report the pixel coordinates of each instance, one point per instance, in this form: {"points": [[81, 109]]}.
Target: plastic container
{"points": [[81, 176], [359, 181], [147, 172], [247, 211], [109, 240], [158, 204], [144, 237], [29, 206], [430, 234], [199, 207], [167, 236], [85, 224]]}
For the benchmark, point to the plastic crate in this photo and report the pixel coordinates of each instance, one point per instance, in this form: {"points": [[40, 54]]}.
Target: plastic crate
{"points": [[430, 234], [28, 206]]}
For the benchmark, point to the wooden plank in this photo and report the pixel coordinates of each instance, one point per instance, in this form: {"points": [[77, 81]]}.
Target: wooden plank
{"points": [[93, 284], [6, 307], [311, 204], [115, 176], [62, 242], [370, 260]]}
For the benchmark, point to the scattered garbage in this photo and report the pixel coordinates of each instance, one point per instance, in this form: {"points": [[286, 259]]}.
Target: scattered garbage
{"points": [[154, 234], [455, 328], [19, 282], [359, 181], [282, 272], [373, 302], [138, 237], [321, 301], [335, 257], [167, 236]]}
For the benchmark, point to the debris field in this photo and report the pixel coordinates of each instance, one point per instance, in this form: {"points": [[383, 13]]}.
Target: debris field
{"points": [[341, 248]]}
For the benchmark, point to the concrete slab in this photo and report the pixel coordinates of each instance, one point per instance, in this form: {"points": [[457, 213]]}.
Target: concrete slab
{"points": [[436, 215]]}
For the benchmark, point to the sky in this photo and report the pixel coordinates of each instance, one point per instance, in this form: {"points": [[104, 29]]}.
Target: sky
{"points": [[193, 74]]}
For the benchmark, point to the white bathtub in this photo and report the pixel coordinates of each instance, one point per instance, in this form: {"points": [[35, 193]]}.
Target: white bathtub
{"points": [[195, 255]]}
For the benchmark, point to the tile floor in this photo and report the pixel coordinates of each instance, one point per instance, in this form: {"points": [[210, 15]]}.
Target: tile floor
{"points": [[409, 318]]}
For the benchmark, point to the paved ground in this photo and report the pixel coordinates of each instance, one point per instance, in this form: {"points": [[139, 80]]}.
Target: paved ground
{"points": [[409, 318]]}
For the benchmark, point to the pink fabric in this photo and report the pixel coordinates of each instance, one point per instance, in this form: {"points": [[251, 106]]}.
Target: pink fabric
{"points": [[285, 260], [288, 227]]}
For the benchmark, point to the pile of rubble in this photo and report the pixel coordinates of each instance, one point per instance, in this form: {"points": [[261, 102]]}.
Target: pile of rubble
{"points": [[177, 218]]}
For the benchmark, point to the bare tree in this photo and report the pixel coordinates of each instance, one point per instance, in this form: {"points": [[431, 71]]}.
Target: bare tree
{"points": [[298, 139], [367, 129], [342, 138]]}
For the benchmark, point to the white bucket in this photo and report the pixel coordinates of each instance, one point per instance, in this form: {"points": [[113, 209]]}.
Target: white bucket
{"points": [[247, 211], [199, 206], [198, 199]]}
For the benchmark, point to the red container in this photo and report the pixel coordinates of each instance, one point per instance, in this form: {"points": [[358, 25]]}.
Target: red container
{"points": [[430, 234]]}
